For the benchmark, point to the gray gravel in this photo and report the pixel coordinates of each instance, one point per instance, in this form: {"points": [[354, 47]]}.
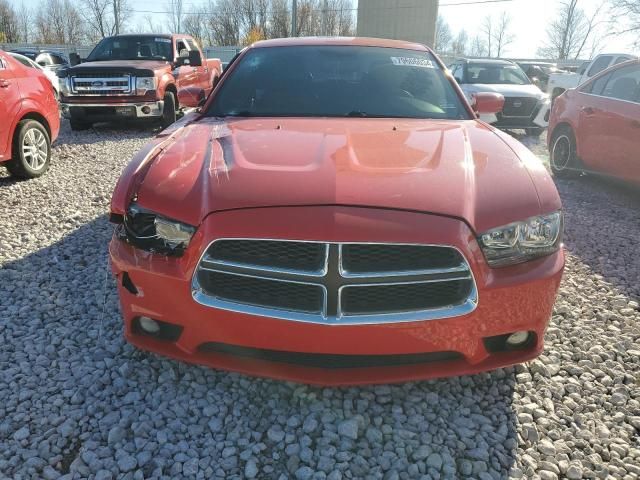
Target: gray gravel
{"points": [[77, 402]]}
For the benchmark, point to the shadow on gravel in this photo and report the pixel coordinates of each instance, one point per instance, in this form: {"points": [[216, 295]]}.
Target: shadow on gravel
{"points": [[602, 217], [77, 398]]}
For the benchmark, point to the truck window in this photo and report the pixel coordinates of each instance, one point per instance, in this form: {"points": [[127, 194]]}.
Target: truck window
{"points": [[192, 44], [132, 47], [621, 60], [599, 64], [181, 48], [623, 83]]}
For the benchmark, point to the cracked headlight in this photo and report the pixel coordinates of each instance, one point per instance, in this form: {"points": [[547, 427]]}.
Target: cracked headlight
{"points": [[145, 84], [522, 241], [150, 231]]}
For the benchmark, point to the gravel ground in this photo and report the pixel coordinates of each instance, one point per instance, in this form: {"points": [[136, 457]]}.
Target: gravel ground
{"points": [[78, 402]]}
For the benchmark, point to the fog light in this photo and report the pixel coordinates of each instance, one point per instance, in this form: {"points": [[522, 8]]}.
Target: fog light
{"points": [[149, 325], [146, 110], [517, 338]]}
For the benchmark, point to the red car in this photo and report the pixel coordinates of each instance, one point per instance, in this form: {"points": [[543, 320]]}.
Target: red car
{"points": [[596, 127], [335, 213], [30, 118]]}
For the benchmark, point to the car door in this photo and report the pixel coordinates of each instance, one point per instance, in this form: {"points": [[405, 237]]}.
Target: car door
{"points": [[186, 75], [10, 101], [592, 131], [202, 72], [612, 120]]}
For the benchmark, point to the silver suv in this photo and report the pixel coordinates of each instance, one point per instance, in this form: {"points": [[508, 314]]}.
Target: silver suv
{"points": [[525, 105]]}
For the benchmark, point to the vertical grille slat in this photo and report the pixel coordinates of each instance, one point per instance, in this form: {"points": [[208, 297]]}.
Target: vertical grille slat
{"points": [[335, 283]]}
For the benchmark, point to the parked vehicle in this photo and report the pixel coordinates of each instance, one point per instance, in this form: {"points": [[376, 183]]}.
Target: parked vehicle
{"points": [[134, 77], [50, 74], [538, 72], [560, 82], [523, 102], [47, 59], [30, 118], [336, 214], [596, 127]]}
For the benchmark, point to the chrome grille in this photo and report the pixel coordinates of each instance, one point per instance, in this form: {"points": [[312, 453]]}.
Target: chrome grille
{"points": [[105, 84], [335, 283]]}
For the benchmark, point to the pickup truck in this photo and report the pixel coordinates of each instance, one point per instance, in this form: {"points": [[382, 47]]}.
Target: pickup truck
{"points": [[134, 77], [558, 83]]}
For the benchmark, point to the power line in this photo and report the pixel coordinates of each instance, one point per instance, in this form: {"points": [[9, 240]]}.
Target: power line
{"points": [[321, 10]]}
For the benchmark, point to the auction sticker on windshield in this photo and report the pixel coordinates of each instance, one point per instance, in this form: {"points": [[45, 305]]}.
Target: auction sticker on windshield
{"points": [[413, 62], [163, 40]]}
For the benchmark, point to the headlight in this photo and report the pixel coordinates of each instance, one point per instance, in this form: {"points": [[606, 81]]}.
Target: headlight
{"points": [[522, 241], [63, 85], [152, 232], [144, 84]]}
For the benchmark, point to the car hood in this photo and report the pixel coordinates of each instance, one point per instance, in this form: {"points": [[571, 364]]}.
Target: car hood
{"points": [[126, 66], [505, 89], [462, 169]]}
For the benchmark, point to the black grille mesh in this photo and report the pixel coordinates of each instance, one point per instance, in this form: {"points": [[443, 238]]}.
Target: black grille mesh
{"points": [[301, 256], [260, 292], [379, 299], [363, 258], [518, 106]]}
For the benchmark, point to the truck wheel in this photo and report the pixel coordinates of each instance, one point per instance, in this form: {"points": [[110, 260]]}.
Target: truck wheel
{"points": [[77, 125], [534, 132], [31, 150], [563, 158], [169, 110]]}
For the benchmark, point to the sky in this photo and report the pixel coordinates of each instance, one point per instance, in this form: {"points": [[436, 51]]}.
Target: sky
{"points": [[529, 20]]}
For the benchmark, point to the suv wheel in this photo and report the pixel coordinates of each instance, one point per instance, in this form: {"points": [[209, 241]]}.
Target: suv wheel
{"points": [[31, 150]]}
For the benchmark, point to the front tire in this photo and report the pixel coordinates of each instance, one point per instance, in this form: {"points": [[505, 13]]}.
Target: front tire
{"points": [[169, 111], [31, 150], [563, 157]]}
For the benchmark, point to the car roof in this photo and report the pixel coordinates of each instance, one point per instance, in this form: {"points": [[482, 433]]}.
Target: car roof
{"points": [[344, 41]]}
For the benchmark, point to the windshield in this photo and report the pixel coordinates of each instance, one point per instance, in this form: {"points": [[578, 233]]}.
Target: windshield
{"points": [[337, 81], [495, 73], [143, 47]]}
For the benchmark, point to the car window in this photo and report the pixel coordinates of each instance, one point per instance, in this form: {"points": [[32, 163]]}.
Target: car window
{"points": [[457, 72], [597, 86], [623, 84], [621, 59], [600, 64], [132, 47], [181, 48], [495, 73], [337, 81], [24, 61], [57, 59]]}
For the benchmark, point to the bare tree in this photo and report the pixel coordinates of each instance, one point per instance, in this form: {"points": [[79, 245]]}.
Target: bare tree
{"points": [[502, 37], [626, 17], [443, 35], [569, 33], [460, 43], [59, 22], [175, 13], [119, 8], [98, 17], [478, 47], [8, 23], [280, 19], [25, 23], [224, 22], [487, 31]]}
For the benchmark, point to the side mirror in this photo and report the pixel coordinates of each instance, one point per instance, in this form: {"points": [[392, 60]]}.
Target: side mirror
{"points": [[193, 60], [487, 102], [74, 59], [191, 97]]}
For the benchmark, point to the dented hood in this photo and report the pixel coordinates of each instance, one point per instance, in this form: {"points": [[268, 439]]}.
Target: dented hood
{"points": [[461, 169]]}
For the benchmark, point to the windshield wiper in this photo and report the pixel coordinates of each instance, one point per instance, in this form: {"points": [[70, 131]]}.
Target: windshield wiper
{"points": [[357, 113]]}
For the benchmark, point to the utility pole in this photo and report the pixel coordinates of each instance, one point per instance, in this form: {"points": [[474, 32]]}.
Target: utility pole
{"points": [[116, 11], [294, 18]]}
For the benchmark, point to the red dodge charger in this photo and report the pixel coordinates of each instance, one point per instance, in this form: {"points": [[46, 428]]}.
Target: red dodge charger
{"points": [[335, 213]]}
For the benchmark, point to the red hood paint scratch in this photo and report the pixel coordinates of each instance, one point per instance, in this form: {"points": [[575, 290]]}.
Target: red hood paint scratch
{"points": [[453, 168]]}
